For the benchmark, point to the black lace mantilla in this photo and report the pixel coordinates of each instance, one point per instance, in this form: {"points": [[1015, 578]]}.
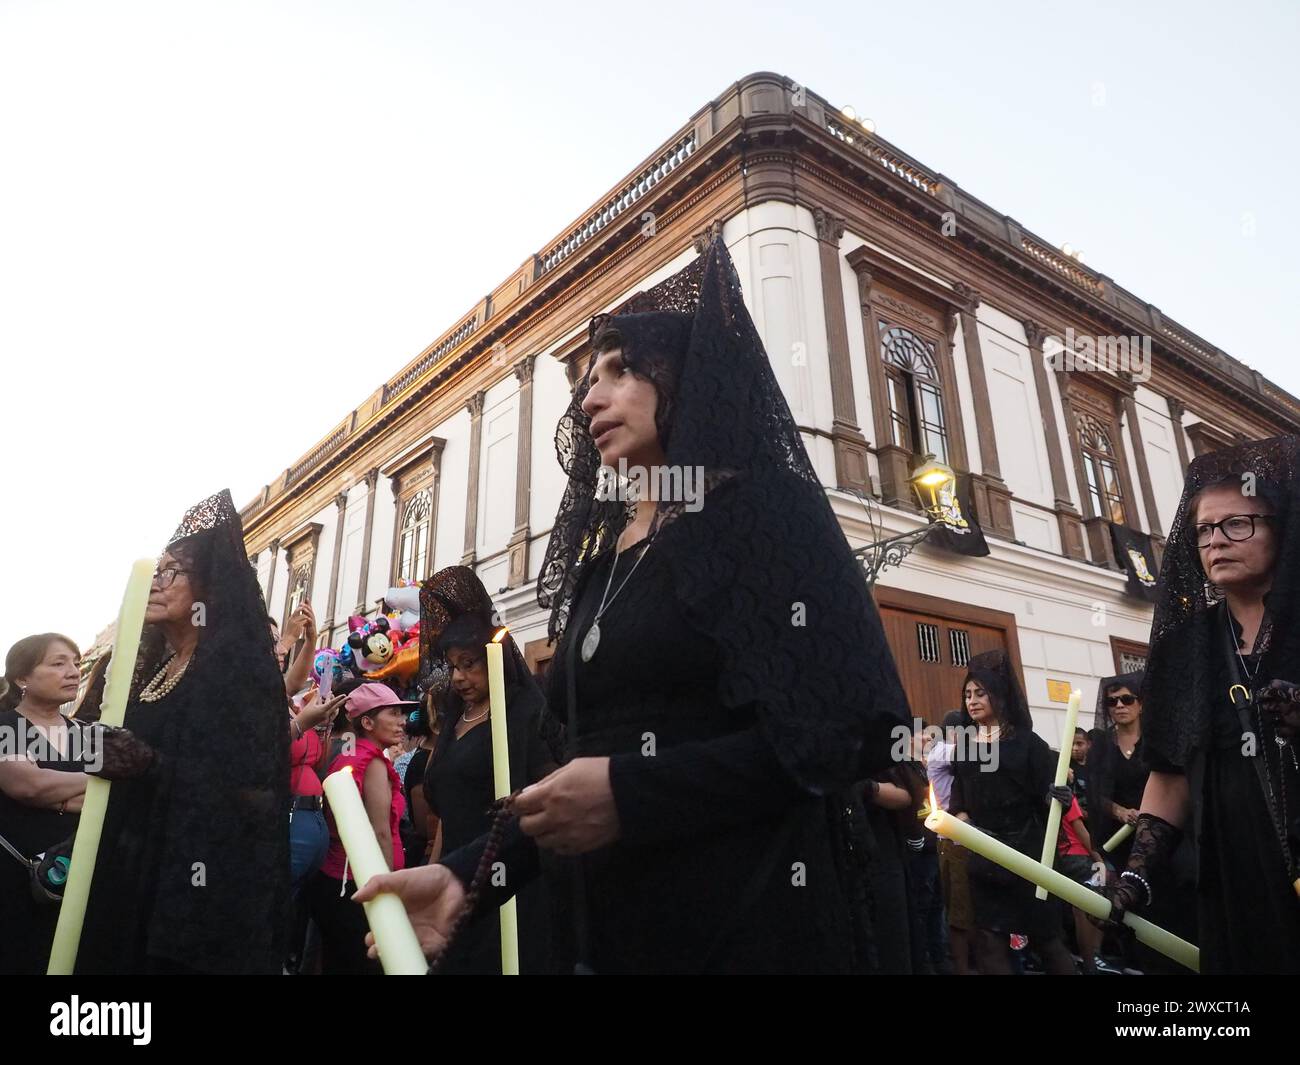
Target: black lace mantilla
{"points": [[221, 803], [1179, 690], [762, 568]]}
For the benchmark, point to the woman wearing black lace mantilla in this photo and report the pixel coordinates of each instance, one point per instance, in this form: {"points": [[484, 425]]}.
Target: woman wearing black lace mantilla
{"points": [[192, 873], [721, 669], [1221, 710]]}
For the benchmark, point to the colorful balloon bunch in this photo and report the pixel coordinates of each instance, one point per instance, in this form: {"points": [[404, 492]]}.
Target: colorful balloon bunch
{"points": [[385, 648]]}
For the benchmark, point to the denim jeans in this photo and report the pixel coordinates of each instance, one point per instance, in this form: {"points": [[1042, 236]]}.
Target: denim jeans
{"points": [[309, 839]]}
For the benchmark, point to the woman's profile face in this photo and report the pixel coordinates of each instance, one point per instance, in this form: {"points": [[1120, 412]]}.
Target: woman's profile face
{"points": [[621, 406], [171, 596], [1237, 564], [56, 677], [468, 674], [978, 704], [386, 726]]}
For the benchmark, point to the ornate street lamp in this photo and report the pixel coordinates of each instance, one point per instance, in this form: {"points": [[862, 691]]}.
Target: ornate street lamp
{"points": [[936, 486]]}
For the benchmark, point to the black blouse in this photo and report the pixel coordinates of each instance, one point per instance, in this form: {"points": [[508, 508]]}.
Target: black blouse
{"points": [[26, 927], [724, 863]]}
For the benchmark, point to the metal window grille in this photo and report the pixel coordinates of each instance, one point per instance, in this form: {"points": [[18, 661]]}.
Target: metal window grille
{"points": [[927, 638], [959, 646]]}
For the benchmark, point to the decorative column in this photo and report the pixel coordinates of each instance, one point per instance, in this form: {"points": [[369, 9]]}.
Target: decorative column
{"points": [[1067, 516], [275, 561], [850, 445], [992, 496], [1140, 456], [475, 408], [372, 482], [341, 504], [1176, 409], [518, 547]]}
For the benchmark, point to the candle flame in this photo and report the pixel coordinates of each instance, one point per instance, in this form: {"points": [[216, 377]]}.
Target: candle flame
{"points": [[932, 822], [501, 634]]}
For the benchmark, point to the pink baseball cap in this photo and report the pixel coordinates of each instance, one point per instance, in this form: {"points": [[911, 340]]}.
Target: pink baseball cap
{"points": [[367, 698]]}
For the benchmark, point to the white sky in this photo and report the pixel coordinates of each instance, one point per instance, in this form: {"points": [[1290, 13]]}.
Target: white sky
{"points": [[222, 225]]}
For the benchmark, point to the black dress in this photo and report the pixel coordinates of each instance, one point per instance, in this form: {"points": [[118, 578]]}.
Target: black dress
{"points": [[26, 926], [115, 935], [1248, 913], [193, 864], [724, 863], [460, 788], [1011, 804]]}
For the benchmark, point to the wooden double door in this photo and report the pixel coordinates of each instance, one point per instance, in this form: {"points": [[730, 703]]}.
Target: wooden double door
{"points": [[933, 639]]}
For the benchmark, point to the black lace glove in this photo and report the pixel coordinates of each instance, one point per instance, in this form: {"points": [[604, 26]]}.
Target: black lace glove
{"points": [[1062, 794], [1154, 841], [1281, 702], [118, 754]]}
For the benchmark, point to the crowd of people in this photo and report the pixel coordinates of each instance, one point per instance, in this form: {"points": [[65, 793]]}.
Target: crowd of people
{"points": [[698, 784]]}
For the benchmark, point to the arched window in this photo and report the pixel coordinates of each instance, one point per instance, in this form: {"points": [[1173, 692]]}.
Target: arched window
{"points": [[413, 545], [1101, 468], [914, 393]]}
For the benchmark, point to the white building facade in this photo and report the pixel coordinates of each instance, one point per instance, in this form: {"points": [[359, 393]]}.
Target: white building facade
{"points": [[901, 315]]}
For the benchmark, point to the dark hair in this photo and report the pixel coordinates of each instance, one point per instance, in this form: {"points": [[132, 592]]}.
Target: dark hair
{"points": [[995, 673], [469, 632], [607, 338], [198, 563], [650, 363], [25, 656], [1079, 730], [89, 707], [1116, 685]]}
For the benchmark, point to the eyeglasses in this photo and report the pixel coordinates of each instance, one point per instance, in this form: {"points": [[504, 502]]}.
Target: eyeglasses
{"points": [[1115, 700], [1236, 527], [465, 664], [164, 578]]}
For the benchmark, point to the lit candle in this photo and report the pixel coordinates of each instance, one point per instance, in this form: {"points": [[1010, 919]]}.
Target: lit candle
{"points": [[121, 667], [395, 939], [1077, 895], [1121, 834], [1062, 774], [501, 785]]}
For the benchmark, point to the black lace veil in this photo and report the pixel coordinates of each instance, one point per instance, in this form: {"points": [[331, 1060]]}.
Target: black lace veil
{"points": [[762, 567], [1179, 687], [996, 673], [450, 594]]}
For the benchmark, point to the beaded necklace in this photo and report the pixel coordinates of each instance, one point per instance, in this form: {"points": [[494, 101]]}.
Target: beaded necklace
{"points": [[161, 686]]}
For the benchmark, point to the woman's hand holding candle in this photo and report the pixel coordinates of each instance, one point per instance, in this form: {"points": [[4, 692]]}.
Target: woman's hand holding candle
{"points": [[399, 949], [1055, 807], [1109, 906], [433, 898], [572, 811]]}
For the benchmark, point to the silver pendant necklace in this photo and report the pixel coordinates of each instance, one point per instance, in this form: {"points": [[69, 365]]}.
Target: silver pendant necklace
{"points": [[592, 640]]}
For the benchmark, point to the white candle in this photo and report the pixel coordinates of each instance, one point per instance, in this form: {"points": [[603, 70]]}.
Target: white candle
{"points": [[1121, 834], [85, 849], [1078, 896], [1062, 774], [501, 785], [395, 939]]}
